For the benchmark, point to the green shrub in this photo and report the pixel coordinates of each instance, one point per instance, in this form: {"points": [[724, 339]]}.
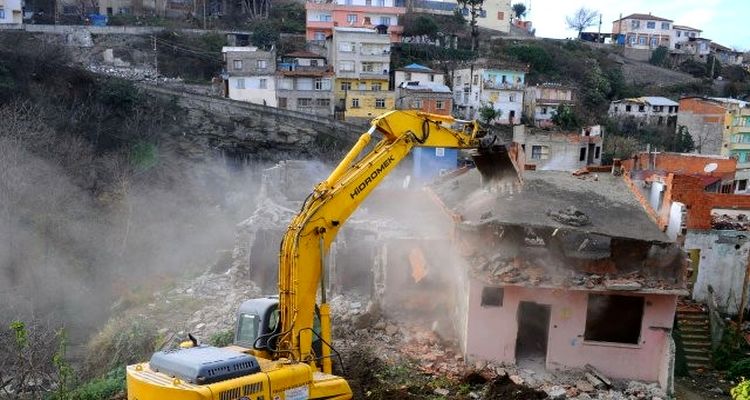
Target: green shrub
{"points": [[222, 339], [106, 387], [728, 352], [740, 369], [741, 391], [121, 342]]}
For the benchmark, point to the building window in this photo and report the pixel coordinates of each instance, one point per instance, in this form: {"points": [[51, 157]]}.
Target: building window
{"points": [[432, 77], [439, 151], [313, 63], [346, 66], [385, 21], [742, 185], [319, 35], [614, 318], [355, 103], [654, 42], [368, 67], [346, 86], [665, 25], [237, 64], [2, 13], [642, 40], [641, 108], [262, 64], [635, 24], [475, 81], [512, 97], [325, 18], [351, 18], [582, 156], [679, 33], [439, 104], [323, 102], [240, 83], [650, 25], [500, 15], [322, 84], [376, 87], [628, 108], [263, 83], [379, 103], [282, 102], [598, 152], [304, 102], [536, 152], [417, 104], [368, 2], [492, 297]]}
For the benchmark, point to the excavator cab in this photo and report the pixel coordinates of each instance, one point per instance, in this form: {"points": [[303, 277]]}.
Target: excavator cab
{"points": [[258, 326]]}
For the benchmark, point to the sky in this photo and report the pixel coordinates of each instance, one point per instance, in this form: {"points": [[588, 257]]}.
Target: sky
{"points": [[723, 21]]}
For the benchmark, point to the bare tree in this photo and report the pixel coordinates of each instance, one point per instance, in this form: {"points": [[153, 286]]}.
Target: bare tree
{"points": [[581, 19], [255, 9]]}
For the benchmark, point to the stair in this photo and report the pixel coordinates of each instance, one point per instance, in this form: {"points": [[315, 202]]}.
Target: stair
{"points": [[695, 330]]}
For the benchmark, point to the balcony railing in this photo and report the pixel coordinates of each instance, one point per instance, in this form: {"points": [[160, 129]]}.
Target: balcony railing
{"points": [[289, 67], [503, 85]]}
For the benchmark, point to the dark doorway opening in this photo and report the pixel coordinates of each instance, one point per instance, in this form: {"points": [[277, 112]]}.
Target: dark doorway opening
{"points": [[533, 331], [590, 159]]}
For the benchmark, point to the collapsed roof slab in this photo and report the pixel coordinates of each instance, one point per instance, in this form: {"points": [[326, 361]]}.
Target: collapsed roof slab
{"points": [[600, 204]]}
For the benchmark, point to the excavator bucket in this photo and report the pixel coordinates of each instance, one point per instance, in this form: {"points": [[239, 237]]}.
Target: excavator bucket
{"points": [[495, 163]]}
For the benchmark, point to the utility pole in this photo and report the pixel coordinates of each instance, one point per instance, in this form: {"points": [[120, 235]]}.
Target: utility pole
{"points": [[599, 35]]}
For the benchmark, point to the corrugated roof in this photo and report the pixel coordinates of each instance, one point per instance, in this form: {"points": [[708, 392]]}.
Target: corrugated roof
{"points": [[644, 17], [650, 100], [415, 68], [425, 86]]}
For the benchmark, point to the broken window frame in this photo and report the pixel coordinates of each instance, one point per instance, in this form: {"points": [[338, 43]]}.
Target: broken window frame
{"points": [[492, 296], [615, 318]]}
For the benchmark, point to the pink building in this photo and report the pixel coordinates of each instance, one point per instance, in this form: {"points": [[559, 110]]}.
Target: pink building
{"points": [[564, 271], [324, 15]]}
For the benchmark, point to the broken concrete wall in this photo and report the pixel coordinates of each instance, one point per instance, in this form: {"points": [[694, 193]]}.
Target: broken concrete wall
{"points": [[722, 265], [492, 332]]}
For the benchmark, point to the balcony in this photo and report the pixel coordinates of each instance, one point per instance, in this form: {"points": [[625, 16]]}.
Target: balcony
{"points": [[320, 25], [503, 85], [301, 69]]}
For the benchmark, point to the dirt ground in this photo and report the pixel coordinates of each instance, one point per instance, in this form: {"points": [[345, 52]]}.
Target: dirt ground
{"points": [[709, 385]]}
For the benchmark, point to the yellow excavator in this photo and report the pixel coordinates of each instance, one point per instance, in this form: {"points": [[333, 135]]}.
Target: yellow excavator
{"points": [[282, 345]]}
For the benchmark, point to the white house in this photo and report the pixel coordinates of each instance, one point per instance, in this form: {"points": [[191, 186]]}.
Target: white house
{"points": [[249, 75], [644, 31], [682, 34], [11, 12], [650, 109], [417, 72]]}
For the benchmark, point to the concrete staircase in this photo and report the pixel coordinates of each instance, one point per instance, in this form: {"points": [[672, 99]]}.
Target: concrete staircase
{"points": [[696, 337]]}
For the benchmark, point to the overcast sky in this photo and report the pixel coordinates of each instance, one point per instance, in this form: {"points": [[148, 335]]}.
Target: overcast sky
{"points": [[723, 21]]}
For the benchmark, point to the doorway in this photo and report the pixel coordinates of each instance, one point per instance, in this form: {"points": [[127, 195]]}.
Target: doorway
{"points": [[533, 331]]}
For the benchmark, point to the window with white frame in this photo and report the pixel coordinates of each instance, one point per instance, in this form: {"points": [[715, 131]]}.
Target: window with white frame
{"points": [[416, 104], [304, 102], [237, 64], [239, 83], [650, 25], [263, 83], [262, 64], [385, 21], [346, 85], [351, 18], [323, 102], [376, 87], [326, 18], [635, 24], [2, 13], [346, 66], [355, 103], [439, 104], [322, 84], [346, 47], [665, 25], [379, 103]]}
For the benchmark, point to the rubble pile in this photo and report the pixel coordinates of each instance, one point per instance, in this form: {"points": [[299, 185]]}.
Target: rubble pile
{"points": [[725, 222]]}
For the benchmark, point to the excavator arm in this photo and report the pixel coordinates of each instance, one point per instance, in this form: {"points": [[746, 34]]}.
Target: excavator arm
{"points": [[311, 232]]}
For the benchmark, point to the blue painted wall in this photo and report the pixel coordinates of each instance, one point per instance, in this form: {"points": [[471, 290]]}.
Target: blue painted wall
{"points": [[428, 162]]}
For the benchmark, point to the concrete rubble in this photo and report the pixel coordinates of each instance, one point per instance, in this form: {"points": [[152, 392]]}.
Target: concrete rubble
{"points": [[724, 222]]}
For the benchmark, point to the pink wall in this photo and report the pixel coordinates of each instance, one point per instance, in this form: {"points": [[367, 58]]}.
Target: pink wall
{"points": [[491, 333]]}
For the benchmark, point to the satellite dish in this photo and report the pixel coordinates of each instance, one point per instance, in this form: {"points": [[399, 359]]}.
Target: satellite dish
{"points": [[710, 167]]}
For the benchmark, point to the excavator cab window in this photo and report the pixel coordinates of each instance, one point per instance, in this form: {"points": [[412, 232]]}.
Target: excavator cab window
{"points": [[248, 328]]}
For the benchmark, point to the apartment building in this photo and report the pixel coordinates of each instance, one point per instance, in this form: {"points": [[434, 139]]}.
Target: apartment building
{"points": [[499, 88], [495, 14], [11, 12], [304, 82], [325, 15], [361, 60], [250, 75], [643, 31]]}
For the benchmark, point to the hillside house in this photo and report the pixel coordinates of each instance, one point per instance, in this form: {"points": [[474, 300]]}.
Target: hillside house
{"points": [[429, 97], [643, 31], [649, 110], [559, 150], [540, 102], [250, 75], [499, 88], [417, 72], [682, 34], [495, 14], [304, 82], [324, 15]]}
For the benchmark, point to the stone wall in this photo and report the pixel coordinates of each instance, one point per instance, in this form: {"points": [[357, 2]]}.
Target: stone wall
{"points": [[252, 131]]}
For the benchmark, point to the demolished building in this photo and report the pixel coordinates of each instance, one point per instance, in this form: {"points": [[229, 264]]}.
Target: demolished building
{"points": [[565, 270]]}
